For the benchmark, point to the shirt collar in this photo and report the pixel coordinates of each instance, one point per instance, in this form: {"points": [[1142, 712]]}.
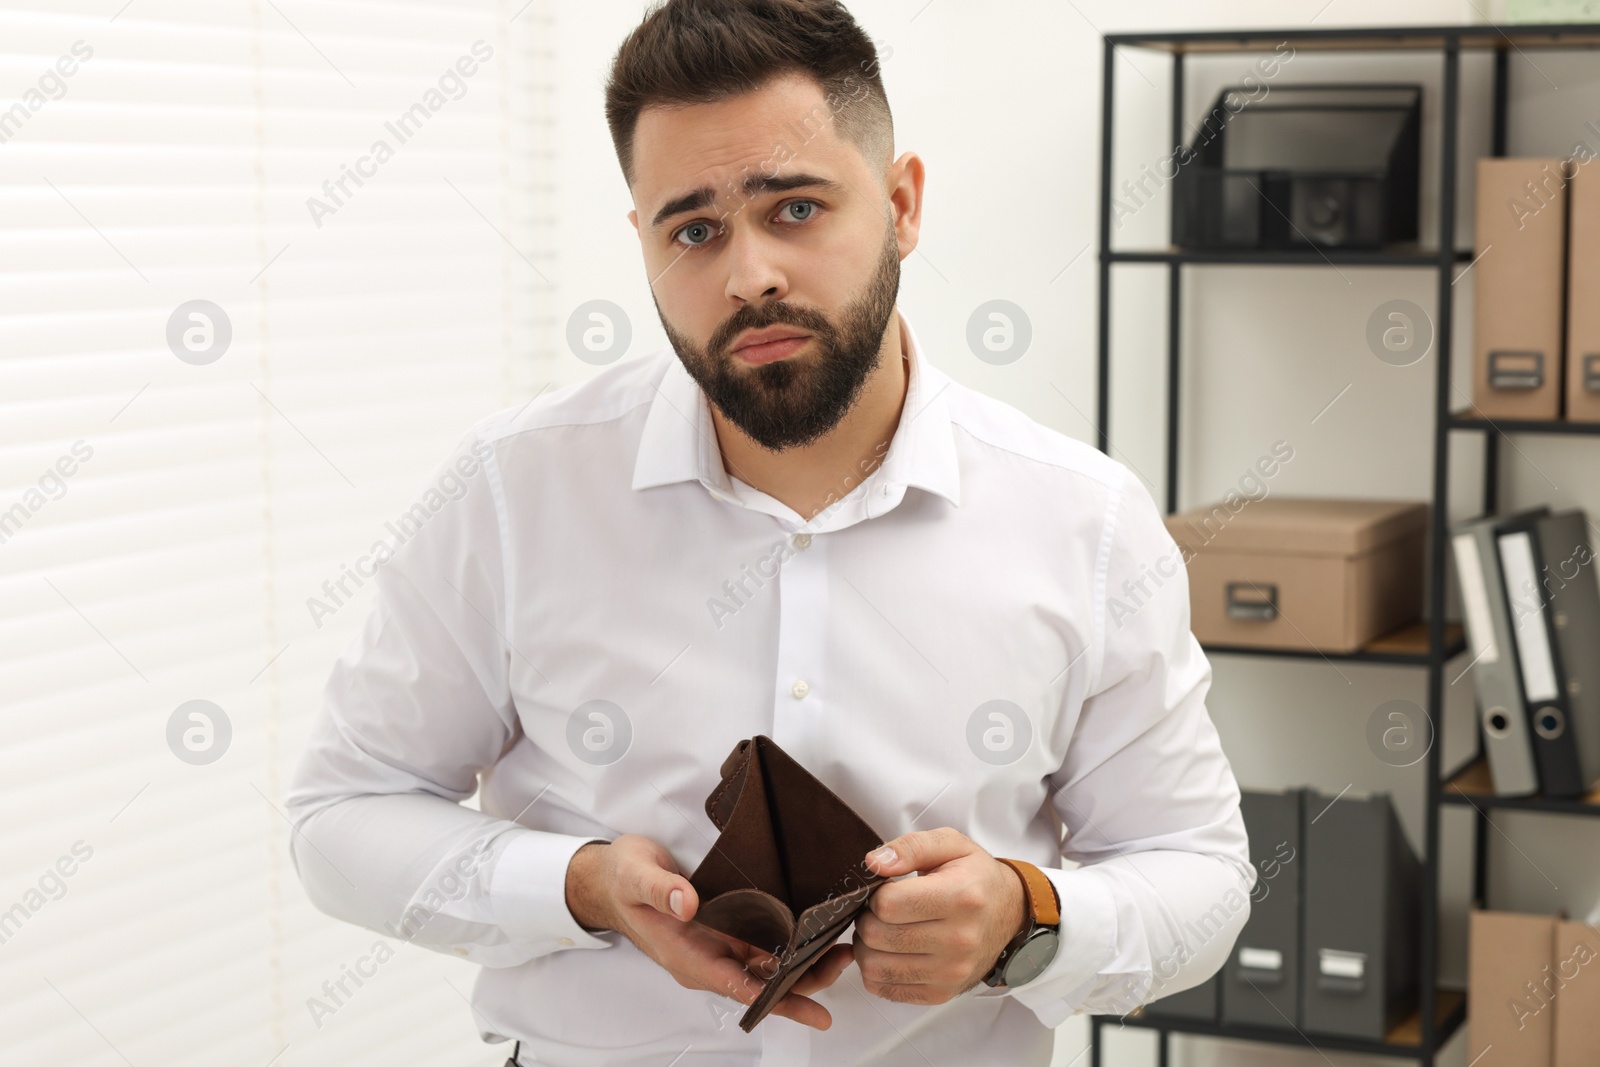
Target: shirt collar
{"points": [[679, 442]]}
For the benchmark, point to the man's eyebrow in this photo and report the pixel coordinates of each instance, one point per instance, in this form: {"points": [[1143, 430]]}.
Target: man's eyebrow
{"points": [[754, 185]]}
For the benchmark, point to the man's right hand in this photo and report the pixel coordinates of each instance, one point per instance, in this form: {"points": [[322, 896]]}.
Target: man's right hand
{"points": [[631, 885]]}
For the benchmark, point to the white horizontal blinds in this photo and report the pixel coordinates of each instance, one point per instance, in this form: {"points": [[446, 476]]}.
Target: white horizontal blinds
{"points": [[164, 520]]}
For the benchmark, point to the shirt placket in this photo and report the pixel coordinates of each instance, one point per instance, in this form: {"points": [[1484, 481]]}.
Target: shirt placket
{"points": [[800, 686]]}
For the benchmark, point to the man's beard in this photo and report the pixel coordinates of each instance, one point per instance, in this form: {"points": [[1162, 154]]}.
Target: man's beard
{"points": [[796, 400]]}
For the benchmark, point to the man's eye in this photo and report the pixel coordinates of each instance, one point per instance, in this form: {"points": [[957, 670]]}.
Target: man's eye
{"points": [[698, 233], [805, 209]]}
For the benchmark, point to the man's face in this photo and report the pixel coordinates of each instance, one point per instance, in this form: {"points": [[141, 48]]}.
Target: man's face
{"points": [[795, 233]]}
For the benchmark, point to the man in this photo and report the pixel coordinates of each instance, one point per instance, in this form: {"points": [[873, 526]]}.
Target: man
{"points": [[791, 523]]}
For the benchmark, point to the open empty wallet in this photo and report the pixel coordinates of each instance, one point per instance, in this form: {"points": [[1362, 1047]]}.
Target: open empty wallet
{"points": [[788, 872]]}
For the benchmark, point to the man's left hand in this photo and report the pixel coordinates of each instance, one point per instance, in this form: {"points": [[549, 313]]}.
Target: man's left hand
{"points": [[927, 939]]}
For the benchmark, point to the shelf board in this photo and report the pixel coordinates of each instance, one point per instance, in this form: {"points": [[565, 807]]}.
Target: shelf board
{"points": [[1394, 256], [1407, 645], [1366, 39], [1473, 787], [1460, 421], [1404, 1039]]}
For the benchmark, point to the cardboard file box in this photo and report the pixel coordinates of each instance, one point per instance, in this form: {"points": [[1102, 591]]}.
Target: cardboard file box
{"points": [[1583, 295], [1302, 573], [1508, 956], [1518, 300], [1576, 963]]}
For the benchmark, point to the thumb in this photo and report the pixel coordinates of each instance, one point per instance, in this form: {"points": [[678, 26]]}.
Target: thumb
{"points": [[920, 850], [669, 893]]}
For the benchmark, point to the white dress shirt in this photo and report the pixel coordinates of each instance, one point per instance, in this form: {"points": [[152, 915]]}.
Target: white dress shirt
{"points": [[588, 612]]}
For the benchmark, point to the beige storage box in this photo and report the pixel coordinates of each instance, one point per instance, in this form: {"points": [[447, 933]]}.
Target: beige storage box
{"points": [[1302, 573]]}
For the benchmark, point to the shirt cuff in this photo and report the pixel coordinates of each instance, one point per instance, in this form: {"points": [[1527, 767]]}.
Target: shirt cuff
{"points": [[528, 892], [1088, 940]]}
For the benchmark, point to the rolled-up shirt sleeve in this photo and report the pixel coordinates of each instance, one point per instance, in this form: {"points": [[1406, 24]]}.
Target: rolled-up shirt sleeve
{"points": [[1148, 799], [414, 709]]}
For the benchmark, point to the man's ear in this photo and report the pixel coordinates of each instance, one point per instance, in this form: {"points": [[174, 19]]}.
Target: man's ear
{"points": [[633, 217]]}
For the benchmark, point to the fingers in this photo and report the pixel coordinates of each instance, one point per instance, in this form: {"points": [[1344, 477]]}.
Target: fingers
{"points": [[925, 898], [922, 935], [826, 970], [920, 850], [881, 969], [664, 890], [803, 1010], [728, 977]]}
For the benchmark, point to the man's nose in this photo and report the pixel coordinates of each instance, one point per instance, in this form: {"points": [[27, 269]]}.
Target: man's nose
{"points": [[755, 271]]}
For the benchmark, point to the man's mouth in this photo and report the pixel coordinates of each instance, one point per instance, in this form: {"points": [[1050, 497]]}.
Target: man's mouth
{"points": [[769, 351]]}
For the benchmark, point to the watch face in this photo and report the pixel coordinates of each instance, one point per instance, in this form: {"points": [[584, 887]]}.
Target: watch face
{"points": [[1033, 957]]}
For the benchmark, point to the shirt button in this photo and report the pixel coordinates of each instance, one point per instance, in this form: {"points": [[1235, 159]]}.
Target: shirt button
{"points": [[802, 541], [800, 689], [460, 951], [565, 940]]}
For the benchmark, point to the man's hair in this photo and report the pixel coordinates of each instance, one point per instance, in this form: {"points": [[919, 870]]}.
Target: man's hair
{"points": [[704, 51]]}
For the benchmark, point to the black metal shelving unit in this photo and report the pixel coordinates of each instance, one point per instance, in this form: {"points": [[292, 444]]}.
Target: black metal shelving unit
{"points": [[1433, 643]]}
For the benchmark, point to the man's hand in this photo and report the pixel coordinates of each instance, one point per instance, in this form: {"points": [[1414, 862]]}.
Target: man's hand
{"points": [[927, 939], [633, 886]]}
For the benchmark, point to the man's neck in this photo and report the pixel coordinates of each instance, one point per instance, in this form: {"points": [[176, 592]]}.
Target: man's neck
{"points": [[811, 477]]}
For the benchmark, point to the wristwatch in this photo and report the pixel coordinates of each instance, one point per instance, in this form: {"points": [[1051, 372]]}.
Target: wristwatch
{"points": [[1030, 952]]}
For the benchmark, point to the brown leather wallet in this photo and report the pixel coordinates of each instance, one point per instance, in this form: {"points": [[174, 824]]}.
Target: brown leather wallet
{"points": [[788, 872]]}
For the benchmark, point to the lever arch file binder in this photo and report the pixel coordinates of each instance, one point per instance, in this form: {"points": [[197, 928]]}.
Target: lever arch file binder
{"points": [[1572, 612], [1544, 697], [1507, 737]]}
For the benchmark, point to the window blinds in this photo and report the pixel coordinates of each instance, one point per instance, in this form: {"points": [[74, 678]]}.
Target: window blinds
{"points": [[261, 263]]}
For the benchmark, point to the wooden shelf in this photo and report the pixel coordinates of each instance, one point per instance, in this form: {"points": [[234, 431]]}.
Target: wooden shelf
{"points": [[1461, 420], [1449, 1010], [1393, 256], [1402, 1040], [1406, 645], [1472, 786], [1366, 39]]}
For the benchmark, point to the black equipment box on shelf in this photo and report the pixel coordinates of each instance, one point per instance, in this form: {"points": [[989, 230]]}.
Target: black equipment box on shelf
{"points": [[1325, 166]]}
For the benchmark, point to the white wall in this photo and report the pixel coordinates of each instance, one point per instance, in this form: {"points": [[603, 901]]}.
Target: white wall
{"points": [[1002, 103]]}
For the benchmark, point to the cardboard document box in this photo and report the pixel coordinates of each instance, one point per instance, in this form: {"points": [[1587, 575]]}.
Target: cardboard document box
{"points": [[1583, 283], [1508, 957], [1517, 355], [1576, 964], [1300, 572]]}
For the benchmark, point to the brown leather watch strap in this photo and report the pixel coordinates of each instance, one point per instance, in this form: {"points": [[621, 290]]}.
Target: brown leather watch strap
{"points": [[1042, 902]]}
